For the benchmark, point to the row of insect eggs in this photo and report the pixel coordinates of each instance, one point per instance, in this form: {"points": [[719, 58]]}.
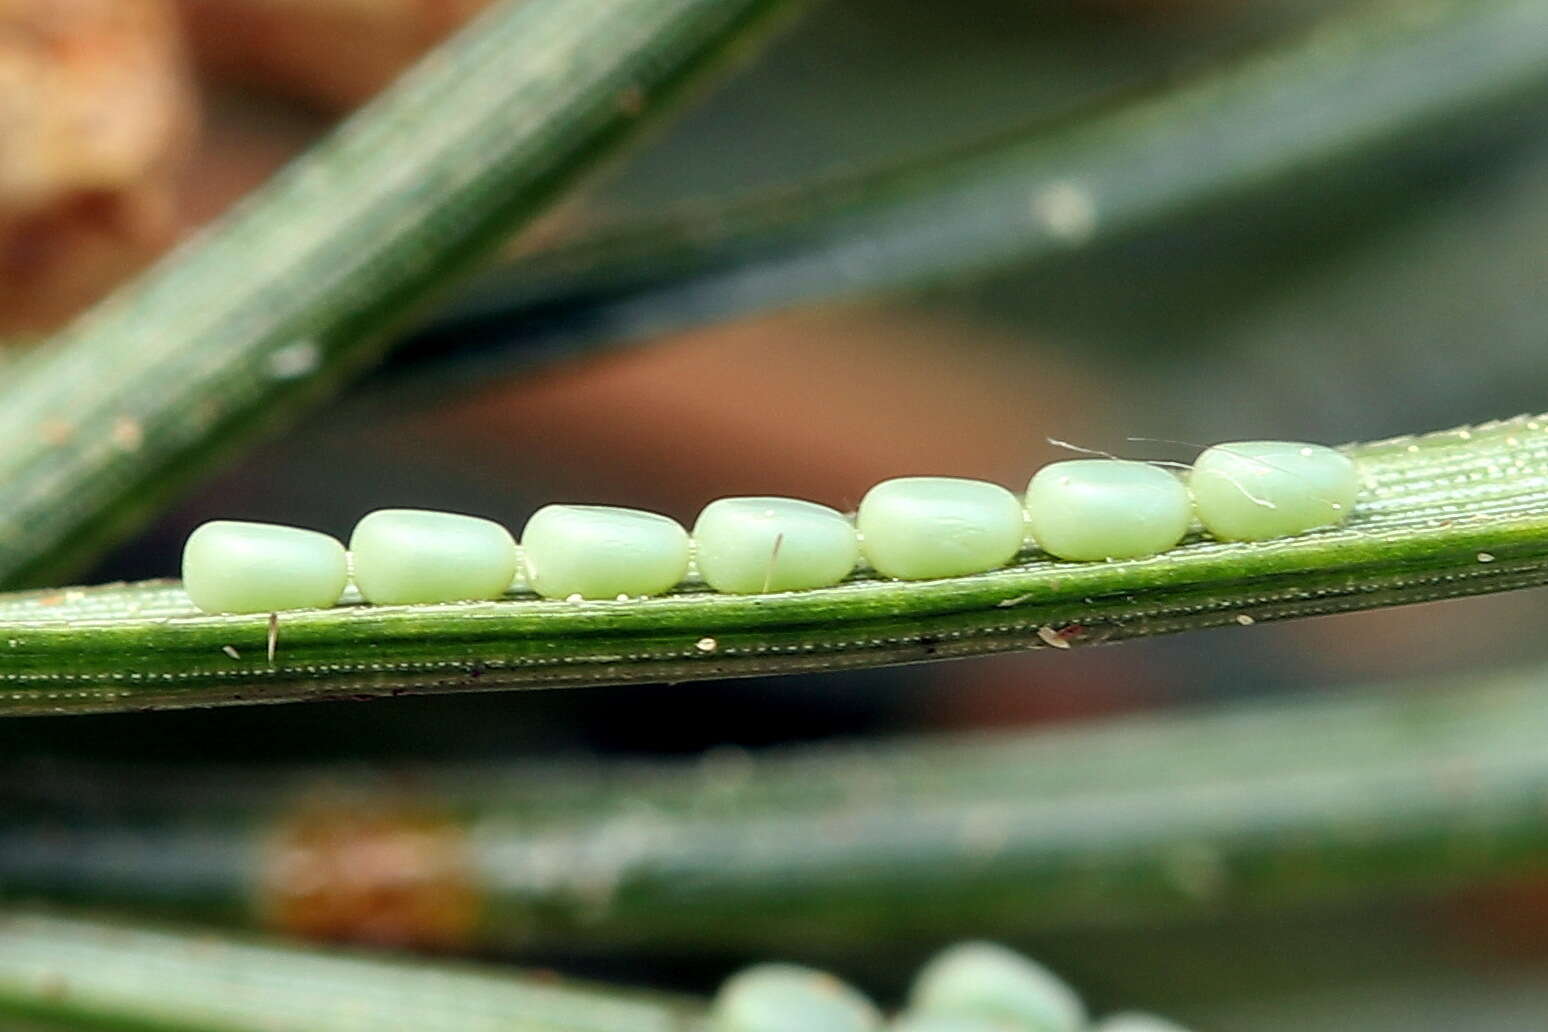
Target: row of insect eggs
{"points": [[911, 528]]}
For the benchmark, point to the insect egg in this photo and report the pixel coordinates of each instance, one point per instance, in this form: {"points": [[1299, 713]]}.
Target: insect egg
{"points": [[231, 566], [404, 556], [1090, 509], [787, 998], [915, 528], [1137, 1023], [1258, 490], [981, 979], [751, 545], [947, 1023], [601, 552]]}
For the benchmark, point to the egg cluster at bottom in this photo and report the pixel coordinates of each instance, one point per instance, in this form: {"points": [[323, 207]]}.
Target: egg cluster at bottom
{"points": [[910, 528], [969, 987]]}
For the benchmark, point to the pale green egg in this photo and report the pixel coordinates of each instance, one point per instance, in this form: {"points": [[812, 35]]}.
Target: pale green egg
{"points": [[602, 552], [1258, 490], [1090, 509], [1137, 1023], [983, 980], [231, 566], [404, 556], [915, 528], [951, 1023], [751, 545], [789, 998]]}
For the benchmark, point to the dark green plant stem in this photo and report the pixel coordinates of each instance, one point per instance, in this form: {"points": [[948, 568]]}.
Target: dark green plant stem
{"points": [[127, 977], [1448, 514], [1387, 794], [299, 287], [1389, 76]]}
